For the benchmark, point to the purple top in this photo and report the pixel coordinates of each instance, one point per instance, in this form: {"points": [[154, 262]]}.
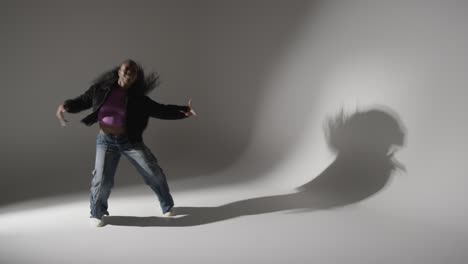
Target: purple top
{"points": [[113, 111]]}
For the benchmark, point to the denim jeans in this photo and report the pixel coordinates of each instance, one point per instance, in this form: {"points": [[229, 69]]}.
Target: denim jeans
{"points": [[109, 149]]}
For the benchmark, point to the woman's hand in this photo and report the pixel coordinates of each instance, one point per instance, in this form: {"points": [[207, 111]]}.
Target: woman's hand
{"points": [[59, 114], [191, 111]]}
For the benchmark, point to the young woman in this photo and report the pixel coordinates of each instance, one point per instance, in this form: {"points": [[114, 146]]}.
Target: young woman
{"points": [[122, 108]]}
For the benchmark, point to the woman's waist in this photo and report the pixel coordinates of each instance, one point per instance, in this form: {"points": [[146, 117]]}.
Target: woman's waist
{"points": [[112, 130]]}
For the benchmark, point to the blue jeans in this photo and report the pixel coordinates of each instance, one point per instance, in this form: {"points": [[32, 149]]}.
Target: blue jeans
{"points": [[109, 149]]}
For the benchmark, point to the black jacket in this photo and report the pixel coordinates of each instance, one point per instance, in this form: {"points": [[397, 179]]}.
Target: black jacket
{"points": [[139, 108]]}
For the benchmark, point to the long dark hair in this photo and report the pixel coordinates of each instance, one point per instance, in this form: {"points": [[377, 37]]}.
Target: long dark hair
{"points": [[143, 85]]}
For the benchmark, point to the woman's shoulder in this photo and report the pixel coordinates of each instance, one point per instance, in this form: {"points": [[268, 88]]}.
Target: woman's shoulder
{"points": [[140, 100]]}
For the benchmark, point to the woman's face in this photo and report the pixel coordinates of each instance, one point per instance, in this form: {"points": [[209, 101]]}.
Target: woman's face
{"points": [[127, 74]]}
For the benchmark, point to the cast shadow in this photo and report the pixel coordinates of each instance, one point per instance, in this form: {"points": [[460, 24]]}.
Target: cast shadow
{"points": [[364, 142]]}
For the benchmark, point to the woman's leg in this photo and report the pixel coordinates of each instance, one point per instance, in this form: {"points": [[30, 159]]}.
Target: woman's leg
{"points": [[107, 159], [147, 165]]}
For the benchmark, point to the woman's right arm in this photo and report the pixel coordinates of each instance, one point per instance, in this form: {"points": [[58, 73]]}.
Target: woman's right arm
{"points": [[76, 104], [80, 103]]}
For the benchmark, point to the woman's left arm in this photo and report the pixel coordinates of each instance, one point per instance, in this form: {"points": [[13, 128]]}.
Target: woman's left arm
{"points": [[167, 111]]}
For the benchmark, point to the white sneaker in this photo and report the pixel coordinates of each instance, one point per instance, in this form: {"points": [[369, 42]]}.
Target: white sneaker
{"points": [[170, 213], [94, 222]]}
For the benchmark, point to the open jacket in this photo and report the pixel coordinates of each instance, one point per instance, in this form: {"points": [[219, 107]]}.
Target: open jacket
{"points": [[139, 108]]}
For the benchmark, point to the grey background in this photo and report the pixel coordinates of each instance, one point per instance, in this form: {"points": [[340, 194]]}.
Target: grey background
{"points": [[265, 76], [53, 50]]}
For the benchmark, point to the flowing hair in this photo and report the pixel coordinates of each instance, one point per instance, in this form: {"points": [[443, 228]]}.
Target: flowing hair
{"points": [[143, 85]]}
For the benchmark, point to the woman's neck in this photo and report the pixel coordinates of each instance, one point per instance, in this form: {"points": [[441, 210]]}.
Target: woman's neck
{"points": [[122, 88]]}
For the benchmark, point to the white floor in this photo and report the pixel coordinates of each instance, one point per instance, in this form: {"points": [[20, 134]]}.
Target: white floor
{"points": [[220, 225]]}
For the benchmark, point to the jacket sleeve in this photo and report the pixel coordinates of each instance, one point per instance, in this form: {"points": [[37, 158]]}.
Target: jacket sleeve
{"points": [[80, 103], [165, 111]]}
